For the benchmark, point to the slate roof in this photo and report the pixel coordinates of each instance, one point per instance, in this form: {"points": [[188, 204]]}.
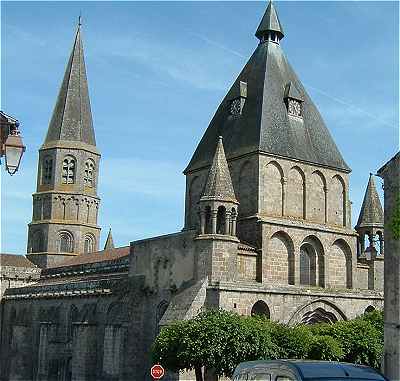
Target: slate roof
{"points": [[98, 256], [270, 22], [219, 183], [264, 125], [72, 116], [371, 213], [109, 242], [14, 260]]}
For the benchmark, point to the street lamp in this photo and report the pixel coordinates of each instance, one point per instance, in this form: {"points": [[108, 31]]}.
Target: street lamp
{"points": [[11, 145]]}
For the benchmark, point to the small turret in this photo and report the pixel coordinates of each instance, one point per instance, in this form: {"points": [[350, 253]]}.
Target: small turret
{"points": [[109, 242], [218, 203], [270, 28], [370, 222]]}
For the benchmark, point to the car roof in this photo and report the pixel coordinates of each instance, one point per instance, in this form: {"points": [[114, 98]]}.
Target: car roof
{"points": [[310, 369]]}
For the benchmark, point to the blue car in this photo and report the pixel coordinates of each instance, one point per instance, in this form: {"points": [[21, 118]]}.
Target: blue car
{"points": [[302, 370]]}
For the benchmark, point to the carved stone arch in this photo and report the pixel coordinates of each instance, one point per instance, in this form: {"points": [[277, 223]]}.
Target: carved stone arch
{"points": [[281, 256], [319, 310], [117, 313], [369, 309], [160, 311], [37, 242], [274, 185], [337, 201], [311, 262], [317, 198], [247, 191], [65, 242], [89, 243], [340, 264], [88, 313], [260, 308], [296, 193]]}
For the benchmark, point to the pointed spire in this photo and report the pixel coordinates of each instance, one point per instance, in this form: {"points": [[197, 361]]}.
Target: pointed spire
{"points": [[371, 211], [219, 183], [109, 242], [72, 117], [270, 23]]}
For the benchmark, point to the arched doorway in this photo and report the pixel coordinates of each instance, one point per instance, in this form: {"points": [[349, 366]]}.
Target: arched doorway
{"points": [[260, 308]]}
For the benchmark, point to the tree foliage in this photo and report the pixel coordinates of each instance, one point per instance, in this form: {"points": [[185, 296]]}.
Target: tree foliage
{"points": [[219, 340]]}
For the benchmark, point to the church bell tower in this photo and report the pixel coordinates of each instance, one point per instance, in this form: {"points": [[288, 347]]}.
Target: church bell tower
{"points": [[65, 205]]}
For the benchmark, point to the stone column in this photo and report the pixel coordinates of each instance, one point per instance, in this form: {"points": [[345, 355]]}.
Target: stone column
{"points": [[233, 225], [202, 221], [84, 366], [283, 182], [326, 192], [214, 214], [21, 356], [391, 176], [43, 364], [227, 222]]}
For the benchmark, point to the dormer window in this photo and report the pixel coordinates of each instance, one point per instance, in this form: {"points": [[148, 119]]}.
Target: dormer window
{"points": [[236, 104], [293, 101]]}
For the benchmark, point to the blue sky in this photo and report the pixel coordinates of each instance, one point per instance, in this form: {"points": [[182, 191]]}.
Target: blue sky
{"points": [[157, 72]]}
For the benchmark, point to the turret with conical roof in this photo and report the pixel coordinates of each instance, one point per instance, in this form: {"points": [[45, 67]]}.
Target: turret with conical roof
{"points": [[270, 27], [109, 241], [218, 203], [268, 117], [65, 205], [370, 221], [72, 116]]}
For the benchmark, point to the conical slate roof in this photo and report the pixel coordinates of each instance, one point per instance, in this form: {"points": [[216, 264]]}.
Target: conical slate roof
{"points": [[269, 22], [72, 117], [219, 183], [371, 210], [264, 124], [109, 242]]}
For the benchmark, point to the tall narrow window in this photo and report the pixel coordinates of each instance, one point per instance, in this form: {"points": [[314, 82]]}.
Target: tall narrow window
{"points": [[47, 170], [88, 177], [68, 170]]}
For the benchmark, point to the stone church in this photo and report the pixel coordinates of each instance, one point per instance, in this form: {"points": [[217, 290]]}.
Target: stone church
{"points": [[267, 230]]}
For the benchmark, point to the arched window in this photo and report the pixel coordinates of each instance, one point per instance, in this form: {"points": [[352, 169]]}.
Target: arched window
{"points": [[37, 242], [260, 309], [307, 266], [68, 170], [89, 243], [221, 220], [65, 242], [47, 170], [88, 177]]}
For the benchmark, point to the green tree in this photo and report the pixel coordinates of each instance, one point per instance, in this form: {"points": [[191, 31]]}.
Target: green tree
{"points": [[360, 341], [215, 339]]}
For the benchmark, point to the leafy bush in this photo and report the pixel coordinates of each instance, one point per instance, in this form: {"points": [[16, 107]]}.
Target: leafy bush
{"points": [[325, 348], [219, 340]]}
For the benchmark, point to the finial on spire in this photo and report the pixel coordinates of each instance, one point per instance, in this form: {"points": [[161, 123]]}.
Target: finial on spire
{"points": [[270, 28], [80, 19]]}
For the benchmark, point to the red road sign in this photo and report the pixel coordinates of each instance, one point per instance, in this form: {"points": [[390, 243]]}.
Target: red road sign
{"points": [[157, 371]]}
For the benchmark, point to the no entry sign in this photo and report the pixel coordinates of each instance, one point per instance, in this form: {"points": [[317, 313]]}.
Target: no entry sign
{"points": [[157, 371]]}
